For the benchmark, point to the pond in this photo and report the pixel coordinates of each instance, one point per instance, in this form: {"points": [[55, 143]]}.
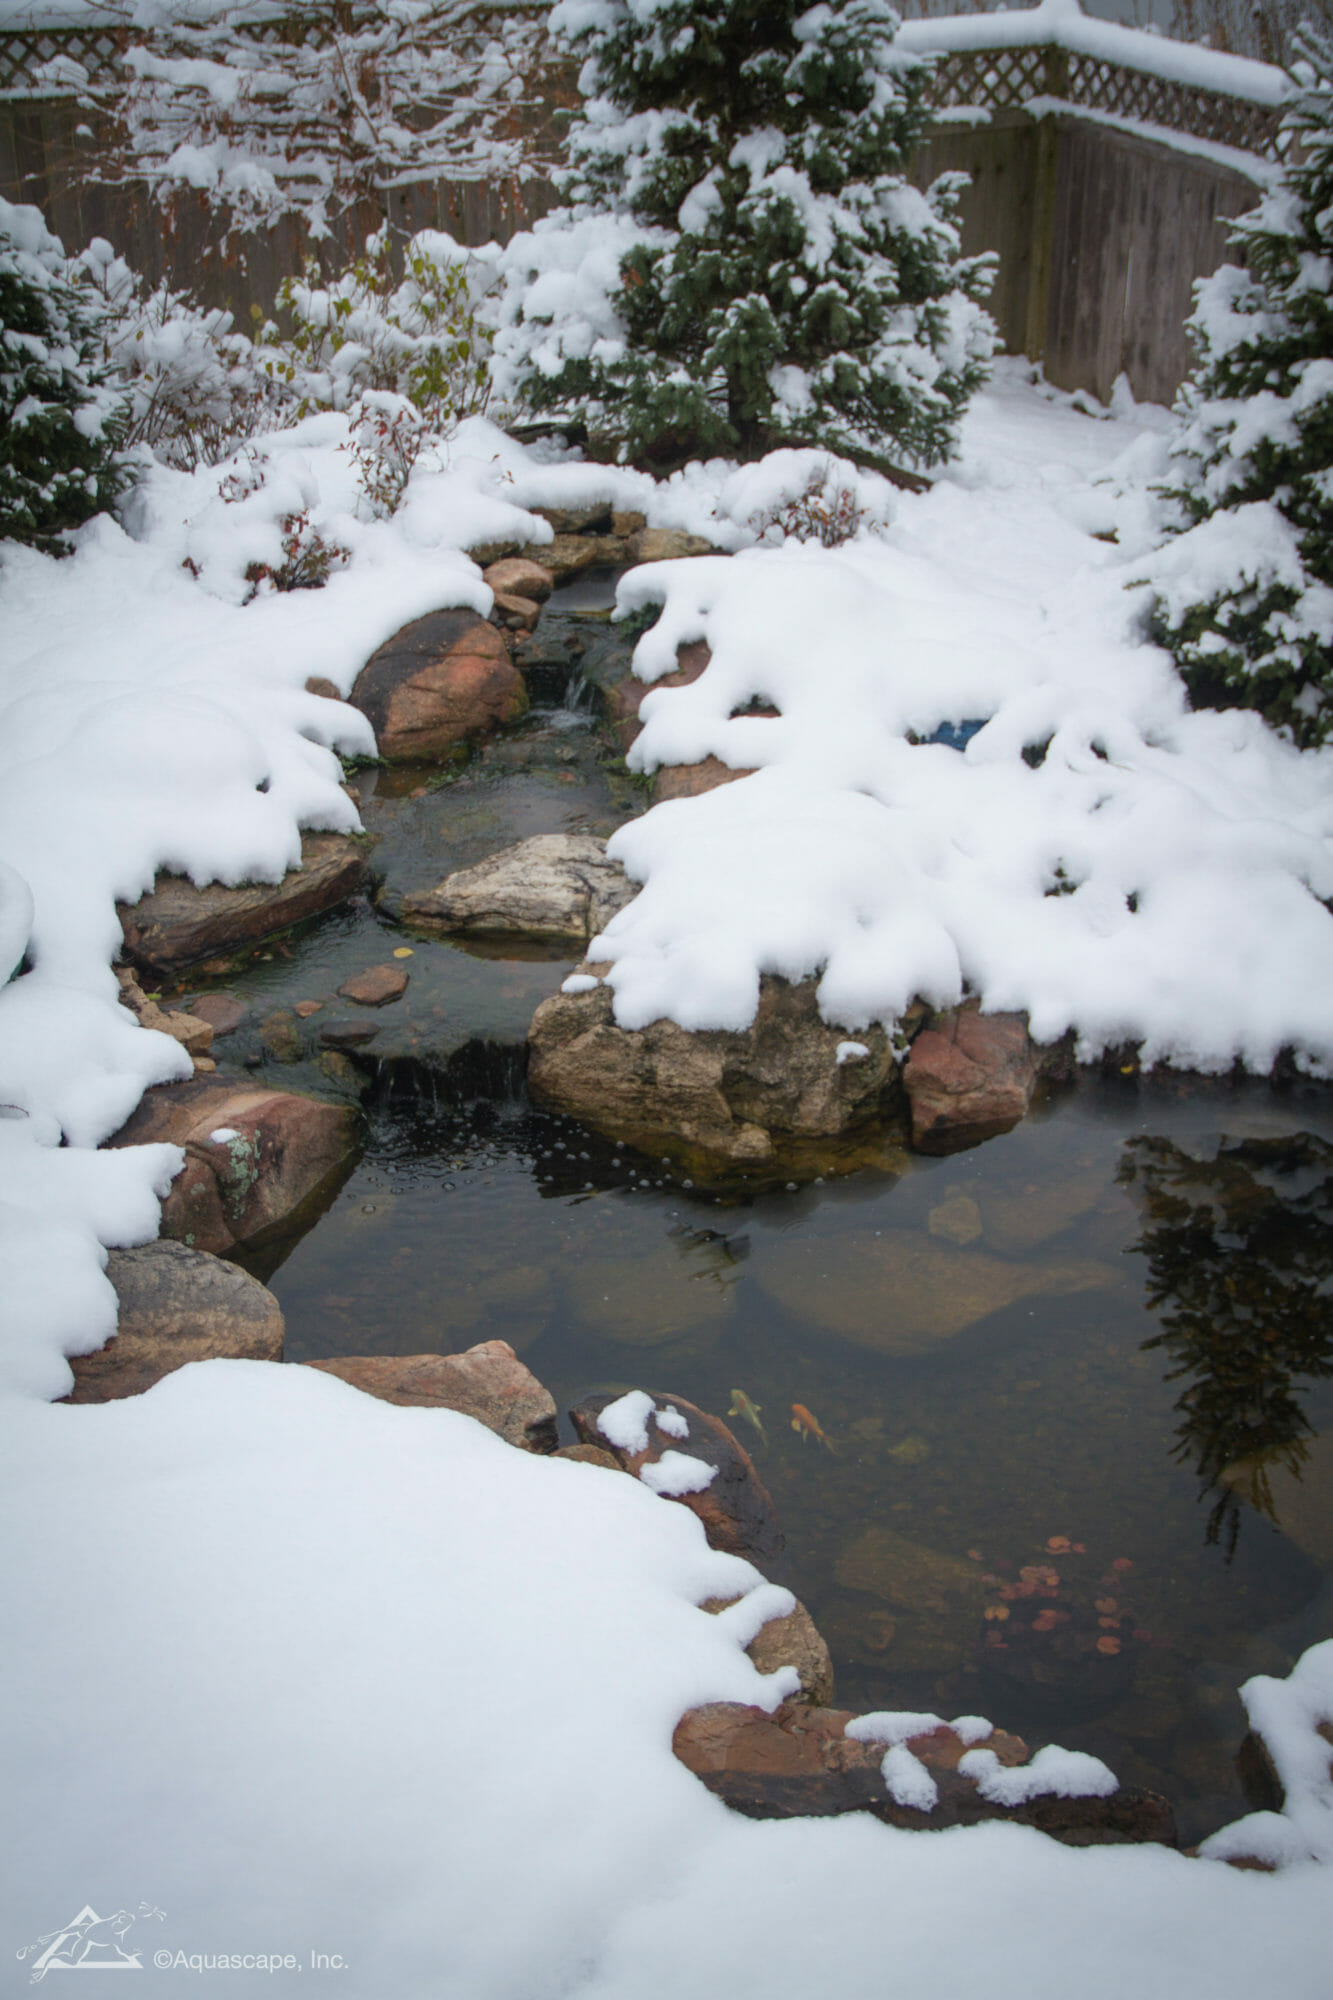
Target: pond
{"points": [[1070, 1384], [1031, 1363]]}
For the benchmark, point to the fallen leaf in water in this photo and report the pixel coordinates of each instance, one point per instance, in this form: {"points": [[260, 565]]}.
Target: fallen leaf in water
{"points": [[1109, 1605], [976, 1555], [999, 1612], [1080, 1549], [1045, 1621], [1110, 1624], [402, 951], [1106, 1644], [1122, 1563], [1058, 1544]]}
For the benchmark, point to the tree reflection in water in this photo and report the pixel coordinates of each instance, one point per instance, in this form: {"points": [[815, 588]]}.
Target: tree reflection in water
{"points": [[1240, 1273]]}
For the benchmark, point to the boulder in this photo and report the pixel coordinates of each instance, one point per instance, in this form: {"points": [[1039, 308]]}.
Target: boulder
{"points": [[800, 1762], [690, 781], [927, 1609], [176, 1305], [285, 1153], [969, 1076], [716, 1097], [487, 1382], [376, 986], [176, 923], [902, 1291], [677, 1294], [513, 577], [737, 1513], [326, 689], [443, 680], [570, 554], [590, 1454], [515, 614], [1300, 1501], [793, 1641], [626, 695], [555, 886]]}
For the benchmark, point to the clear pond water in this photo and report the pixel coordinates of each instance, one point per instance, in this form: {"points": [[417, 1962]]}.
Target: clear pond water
{"points": [[1031, 1363]]}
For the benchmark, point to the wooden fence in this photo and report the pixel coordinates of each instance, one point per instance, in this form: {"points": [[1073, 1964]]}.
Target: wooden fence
{"points": [[1087, 177]]}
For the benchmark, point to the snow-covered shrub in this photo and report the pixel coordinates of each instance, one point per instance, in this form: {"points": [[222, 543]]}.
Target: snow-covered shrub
{"points": [[418, 337], [193, 391], [1245, 589], [61, 420], [260, 535], [388, 436], [744, 263], [826, 511], [330, 107]]}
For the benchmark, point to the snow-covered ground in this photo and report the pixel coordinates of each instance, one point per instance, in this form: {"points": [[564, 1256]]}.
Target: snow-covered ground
{"points": [[306, 1673]]}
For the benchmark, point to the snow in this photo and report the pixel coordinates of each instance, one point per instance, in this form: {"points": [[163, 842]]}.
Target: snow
{"points": [[671, 1421], [1062, 1774], [1289, 1715], [624, 1423], [676, 1473], [307, 1671]]}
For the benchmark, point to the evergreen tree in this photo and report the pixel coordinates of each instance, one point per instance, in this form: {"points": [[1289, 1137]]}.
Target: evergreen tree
{"points": [[1245, 595], [60, 424], [743, 262]]}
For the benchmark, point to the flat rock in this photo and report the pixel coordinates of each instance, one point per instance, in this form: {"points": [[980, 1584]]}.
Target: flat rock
{"points": [[376, 986], [176, 923], [513, 577], [194, 1034], [677, 1294], [570, 554], [443, 680], [903, 1291], [735, 1508], [969, 1076], [800, 1762], [555, 886], [222, 1011], [590, 1454], [176, 1305], [487, 1382], [287, 1153], [653, 545], [724, 1097], [793, 1641], [515, 614], [347, 1034]]}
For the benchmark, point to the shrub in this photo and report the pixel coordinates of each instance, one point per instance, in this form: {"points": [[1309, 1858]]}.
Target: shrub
{"points": [[61, 421], [1245, 589]]}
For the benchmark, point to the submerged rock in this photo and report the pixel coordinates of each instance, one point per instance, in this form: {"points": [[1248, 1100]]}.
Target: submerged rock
{"points": [[903, 1292], [376, 986], [176, 1305], [737, 1513], [176, 923], [674, 1292], [729, 1099], [275, 1154], [557, 886], [443, 680], [969, 1076], [928, 1604], [1299, 1502], [487, 1382]]}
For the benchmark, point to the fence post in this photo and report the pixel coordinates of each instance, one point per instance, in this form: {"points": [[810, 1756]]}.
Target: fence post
{"points": [[1045, 175]]}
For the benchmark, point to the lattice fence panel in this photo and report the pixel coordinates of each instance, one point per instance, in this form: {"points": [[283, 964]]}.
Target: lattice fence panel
{"points": [[998, 79], [25, 56]]}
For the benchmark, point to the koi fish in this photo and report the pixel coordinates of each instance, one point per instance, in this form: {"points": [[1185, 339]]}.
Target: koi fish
{"points": [[807, 1425], [741, 1406]]}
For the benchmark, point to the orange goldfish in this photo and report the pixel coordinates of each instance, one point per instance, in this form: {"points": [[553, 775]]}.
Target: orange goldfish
{"points": [[806, 1424]]}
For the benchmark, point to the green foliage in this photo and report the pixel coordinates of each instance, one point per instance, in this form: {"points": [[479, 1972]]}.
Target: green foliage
{"points": [[368, 330], [61, 424], [1245, 597], [779, 280]]}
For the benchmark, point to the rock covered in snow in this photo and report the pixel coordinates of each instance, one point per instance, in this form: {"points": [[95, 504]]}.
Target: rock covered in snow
{"points": [[487, 1382], [176, 1305], [254, 1158], [176, 923], [556, 885], [443, 680], [791, 1640], [969, 1076], [732, 1097], [734, 1504]]}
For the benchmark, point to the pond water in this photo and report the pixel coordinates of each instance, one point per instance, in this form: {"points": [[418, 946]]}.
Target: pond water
{"points": [[1030, 1362], [1071, 1383]]}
